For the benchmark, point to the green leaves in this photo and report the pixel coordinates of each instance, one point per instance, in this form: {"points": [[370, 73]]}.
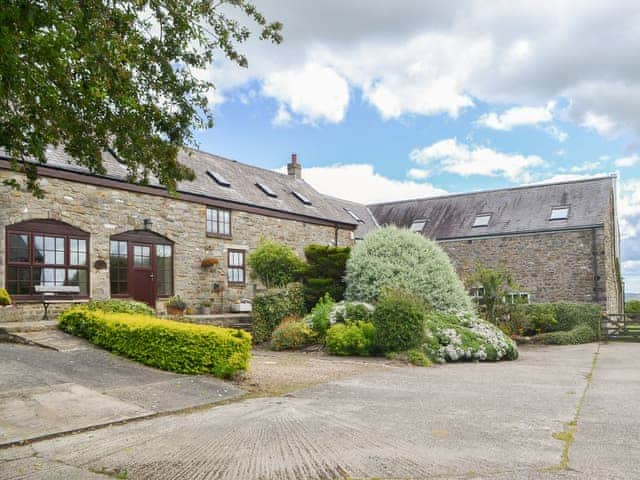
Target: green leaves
{"points": [[95, 74]]}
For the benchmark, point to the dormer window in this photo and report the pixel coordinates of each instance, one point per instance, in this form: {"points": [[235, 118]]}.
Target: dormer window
{"points": [[482, 220], [418, 225], [559, 213]]}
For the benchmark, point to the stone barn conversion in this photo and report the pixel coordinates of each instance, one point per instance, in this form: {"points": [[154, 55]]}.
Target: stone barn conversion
{"points": [[559, 241], [114, 239]]}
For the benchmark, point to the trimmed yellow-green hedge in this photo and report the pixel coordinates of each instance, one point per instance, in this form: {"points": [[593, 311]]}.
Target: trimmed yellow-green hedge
{"points": [[165, 344]]}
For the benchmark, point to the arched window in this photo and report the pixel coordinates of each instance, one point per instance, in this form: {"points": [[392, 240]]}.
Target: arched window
{"points": [[46, 252]]}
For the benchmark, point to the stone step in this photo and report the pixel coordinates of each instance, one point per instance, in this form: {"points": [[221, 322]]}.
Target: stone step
{"points": [[36, 326]]}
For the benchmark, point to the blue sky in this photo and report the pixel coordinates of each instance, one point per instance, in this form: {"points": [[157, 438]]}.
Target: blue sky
{"points": [[408, 99]]}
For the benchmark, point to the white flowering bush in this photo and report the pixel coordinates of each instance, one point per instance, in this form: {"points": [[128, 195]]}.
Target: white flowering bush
{"points": [[458, 336], [398, 258], [343, 312]]}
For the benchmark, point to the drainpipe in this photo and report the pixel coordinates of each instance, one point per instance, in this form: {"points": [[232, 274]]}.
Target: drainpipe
{"points": [[594, 265], [335, 239]]}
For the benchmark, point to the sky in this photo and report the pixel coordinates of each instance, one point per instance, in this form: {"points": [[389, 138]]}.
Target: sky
{"points": [[392, 100]]}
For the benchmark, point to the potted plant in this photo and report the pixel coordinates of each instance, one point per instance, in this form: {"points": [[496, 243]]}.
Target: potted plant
{"points": [[204, 308], [209, 263], [241, 306], [176, 306]]}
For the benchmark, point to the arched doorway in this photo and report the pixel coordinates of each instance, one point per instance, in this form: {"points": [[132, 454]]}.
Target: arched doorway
{"points": [[141, 266]]}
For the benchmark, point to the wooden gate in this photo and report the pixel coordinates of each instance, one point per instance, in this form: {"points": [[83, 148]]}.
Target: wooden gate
{"points": [[621, 326]]}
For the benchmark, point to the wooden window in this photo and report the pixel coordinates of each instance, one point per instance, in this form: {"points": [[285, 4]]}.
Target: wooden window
{"points": [[46, 252], [219, 222], [164, 258], [236, 267], [119, 268]]}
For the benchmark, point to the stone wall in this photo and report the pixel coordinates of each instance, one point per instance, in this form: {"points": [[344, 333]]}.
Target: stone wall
{"points": [[104, 212], [552, 267], [612, 266]]}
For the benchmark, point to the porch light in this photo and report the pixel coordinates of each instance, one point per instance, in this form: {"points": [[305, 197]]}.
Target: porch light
{"points": [[147, 224]]}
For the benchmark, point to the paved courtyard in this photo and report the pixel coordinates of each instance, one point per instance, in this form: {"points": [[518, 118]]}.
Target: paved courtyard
{"points": [[558, 412]]}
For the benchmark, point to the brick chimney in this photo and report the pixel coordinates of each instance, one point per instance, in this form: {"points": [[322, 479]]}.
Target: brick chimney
{"points": [[294, 169]]}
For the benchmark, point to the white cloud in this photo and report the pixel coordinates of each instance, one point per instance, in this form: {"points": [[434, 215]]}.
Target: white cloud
{"points": [[557, 133], [516, 117], [453, 157], [628, 161], [585, 167], [631, 265], [600, 123], [361, 183], [316, 92], [283, 117], [418, 173]]}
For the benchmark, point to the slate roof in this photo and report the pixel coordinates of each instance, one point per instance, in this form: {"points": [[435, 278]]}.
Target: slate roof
{"points": [[367, 221], [513, 210], [242, 178]]}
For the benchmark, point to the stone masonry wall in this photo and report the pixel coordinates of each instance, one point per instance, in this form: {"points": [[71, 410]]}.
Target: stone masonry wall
{"points": [[612, 266], [104, 212], [551, 267]]}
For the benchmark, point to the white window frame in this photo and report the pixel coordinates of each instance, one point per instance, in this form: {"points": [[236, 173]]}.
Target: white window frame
{"points": [[479, 220], [555, 210], [419, 221]]}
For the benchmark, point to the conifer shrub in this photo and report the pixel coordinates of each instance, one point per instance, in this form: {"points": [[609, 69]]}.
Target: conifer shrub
{"points": [[274, 264], [324, 272], [164, 344], [398, 258], [319, 318]]}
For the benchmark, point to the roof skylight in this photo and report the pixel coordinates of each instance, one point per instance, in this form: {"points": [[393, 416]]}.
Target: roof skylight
{"points": [[354, 215], [418, 225], [219, 179], [266, 189], [482, 220], [301, 197], [559, 213]]}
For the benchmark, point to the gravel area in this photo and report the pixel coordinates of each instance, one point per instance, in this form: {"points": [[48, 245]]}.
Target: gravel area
{"points": [[277, 373]]}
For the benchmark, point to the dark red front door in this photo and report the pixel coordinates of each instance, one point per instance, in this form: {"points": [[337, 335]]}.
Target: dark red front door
{"points": [[142, 284]]}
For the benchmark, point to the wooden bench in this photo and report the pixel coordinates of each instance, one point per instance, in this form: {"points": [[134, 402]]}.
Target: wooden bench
{"points": [[52, 294]]}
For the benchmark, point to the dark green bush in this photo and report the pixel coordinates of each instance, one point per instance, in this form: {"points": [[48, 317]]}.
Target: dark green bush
{"points": [[274, 264], [399, 320], [165, 344], [357, 338], [120, 306], [632, 306], [271, 307], [291, 334], [319, 316], [579, 334], [324, 272]]}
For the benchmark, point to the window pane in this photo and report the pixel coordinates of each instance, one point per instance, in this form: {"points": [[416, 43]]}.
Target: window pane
{"points": [[78, 277], [18, 281], [38, 249], [18, 248], [141, 256], [78, 250]]}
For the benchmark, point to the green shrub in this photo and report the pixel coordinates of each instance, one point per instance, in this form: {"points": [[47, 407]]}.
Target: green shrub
{"points": [[5, 298], [324, 272], [345, 312], [496, 285], [399, 321], [567, 316], [319, 316], [452, 337], [292, 334], [271, 307], [165, 344], [274, 264], [632, 307], [418, 358], [356, 338], [120, 306], [580, 334], [395, 258]]}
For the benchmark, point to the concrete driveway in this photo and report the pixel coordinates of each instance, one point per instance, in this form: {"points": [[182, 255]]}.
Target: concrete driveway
{"points": [[558, 412], [45, 392]]}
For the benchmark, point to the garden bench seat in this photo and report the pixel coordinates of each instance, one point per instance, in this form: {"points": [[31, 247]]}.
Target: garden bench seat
{"points": [[52, 294]]}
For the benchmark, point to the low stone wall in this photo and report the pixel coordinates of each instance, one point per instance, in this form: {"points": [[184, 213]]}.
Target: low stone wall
{"points": [[30, 312]]}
